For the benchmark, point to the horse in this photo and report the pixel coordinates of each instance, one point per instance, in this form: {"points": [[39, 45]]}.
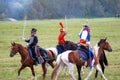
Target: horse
{"points": [[70, 57], [69, 45], [102, 61], [27, 61]]}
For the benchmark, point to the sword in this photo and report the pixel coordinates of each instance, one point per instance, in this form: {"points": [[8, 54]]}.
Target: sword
{"points": [[24, 25], [66, 24]]}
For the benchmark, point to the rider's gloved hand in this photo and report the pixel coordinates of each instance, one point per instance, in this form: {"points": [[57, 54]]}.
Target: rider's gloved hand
{"points": [[28, 45]]}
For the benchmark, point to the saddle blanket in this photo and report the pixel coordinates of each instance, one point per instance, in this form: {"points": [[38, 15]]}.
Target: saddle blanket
{"points": [[82, 55]]}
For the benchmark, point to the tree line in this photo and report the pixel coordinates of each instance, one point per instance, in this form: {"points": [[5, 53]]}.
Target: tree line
{"points": [[50, 9]]}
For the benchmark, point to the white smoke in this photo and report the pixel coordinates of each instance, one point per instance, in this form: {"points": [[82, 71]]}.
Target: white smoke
{"points": [[18, 6]]}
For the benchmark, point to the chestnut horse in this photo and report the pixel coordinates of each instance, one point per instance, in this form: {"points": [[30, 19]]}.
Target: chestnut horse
{"points": [[27, 61], [71, 57]]}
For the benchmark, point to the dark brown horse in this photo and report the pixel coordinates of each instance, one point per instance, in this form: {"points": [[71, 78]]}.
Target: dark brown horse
{"points": [[27, 61], [70, 57]]}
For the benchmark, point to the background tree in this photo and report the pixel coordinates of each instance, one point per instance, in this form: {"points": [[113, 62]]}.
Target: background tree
{"points": [[50, 9]]}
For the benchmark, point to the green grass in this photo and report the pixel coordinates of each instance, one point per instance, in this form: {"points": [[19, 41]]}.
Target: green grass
{"points": [[47, 33]]}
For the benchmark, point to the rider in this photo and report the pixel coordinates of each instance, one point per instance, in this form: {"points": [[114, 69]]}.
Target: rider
{"points": [[61, 40], [85, 43], [85, 36], [32, 42]]}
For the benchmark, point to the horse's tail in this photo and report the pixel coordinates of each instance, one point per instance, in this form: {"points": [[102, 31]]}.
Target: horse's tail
{"points": [[58, 63], [54, 52]]}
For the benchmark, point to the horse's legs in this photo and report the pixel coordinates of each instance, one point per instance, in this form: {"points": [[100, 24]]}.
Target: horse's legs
{"points": [[44, 70], [82, 70], [96, 73], [102, 66], [99, 69], [57, 70], [71, 66], [51, 64], [33, 73], [22, 67], [90, 73], [78, 70], [102, 61]]}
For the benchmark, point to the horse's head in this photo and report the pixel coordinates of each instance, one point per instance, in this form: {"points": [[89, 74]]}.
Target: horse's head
{"points": [[105, 45], [14, 49]]}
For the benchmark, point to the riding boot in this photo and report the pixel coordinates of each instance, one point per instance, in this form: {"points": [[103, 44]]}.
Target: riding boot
{"points": [[36, 61]]}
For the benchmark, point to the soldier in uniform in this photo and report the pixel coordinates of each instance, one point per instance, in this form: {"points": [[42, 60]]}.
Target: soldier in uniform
{"points": [[32, 42]]}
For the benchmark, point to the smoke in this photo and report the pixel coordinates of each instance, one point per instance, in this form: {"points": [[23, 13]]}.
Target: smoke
{"points": [[17, 8]]}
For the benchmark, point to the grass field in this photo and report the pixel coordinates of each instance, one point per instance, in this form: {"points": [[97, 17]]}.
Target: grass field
{"points": [[48, 31]]}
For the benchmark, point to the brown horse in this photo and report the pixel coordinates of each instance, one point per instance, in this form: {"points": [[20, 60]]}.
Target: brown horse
{"points": [[70, 57], [27, 61]]}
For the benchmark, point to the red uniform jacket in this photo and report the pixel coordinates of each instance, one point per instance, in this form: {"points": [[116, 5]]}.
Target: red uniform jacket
{"points": [[61, 39]]}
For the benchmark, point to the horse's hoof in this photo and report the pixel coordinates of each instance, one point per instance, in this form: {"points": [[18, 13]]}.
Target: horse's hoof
{"points": [[85, 79], [35, 78], [105, 79], [19, 78]]}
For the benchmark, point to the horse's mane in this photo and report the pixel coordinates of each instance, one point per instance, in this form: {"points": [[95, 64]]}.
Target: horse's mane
{"points": [[20, 45], [69, 45], [101, 40]]}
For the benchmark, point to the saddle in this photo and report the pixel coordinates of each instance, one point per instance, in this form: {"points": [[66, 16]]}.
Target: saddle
{"points": [[43, 53], [36, 57], [84, 53]]}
